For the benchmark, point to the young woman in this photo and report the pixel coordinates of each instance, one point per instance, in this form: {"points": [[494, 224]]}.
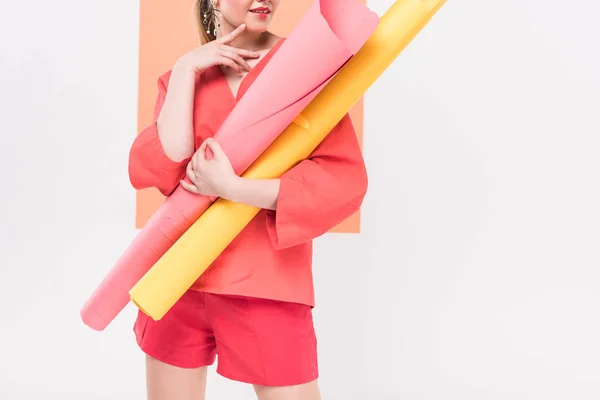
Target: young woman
{"points": [[253, 307]]}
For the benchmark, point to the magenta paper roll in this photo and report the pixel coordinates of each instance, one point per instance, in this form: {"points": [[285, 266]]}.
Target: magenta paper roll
{"points": [[328, 35]]}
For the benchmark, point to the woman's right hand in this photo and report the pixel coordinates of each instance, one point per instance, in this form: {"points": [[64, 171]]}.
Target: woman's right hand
{"points": [[219, 52]]}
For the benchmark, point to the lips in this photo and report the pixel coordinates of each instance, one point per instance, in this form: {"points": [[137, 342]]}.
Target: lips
{"points": [[261, 10]]}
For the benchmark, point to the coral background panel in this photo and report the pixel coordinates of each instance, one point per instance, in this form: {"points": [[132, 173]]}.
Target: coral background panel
{"points": [[167, 30]]}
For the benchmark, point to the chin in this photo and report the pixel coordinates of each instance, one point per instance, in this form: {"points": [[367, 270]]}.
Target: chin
{"points": [[256, 28], [258, 23]]}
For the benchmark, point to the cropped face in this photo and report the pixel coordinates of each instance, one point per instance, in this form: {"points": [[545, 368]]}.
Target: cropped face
{"points": [[256, 14]]}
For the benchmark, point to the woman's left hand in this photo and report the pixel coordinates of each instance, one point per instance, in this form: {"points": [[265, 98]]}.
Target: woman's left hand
{"points": [[212, 177]]}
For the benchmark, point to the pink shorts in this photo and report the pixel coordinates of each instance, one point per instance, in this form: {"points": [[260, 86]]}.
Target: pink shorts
{"points": [[258, 341]]}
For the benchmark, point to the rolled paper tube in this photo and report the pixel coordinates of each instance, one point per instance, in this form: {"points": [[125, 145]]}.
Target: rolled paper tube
{"points": [[328, 35], [202, 243]]}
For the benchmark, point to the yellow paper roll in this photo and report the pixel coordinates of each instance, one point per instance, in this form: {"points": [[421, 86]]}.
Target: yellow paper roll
{"points": [[185, 261]]}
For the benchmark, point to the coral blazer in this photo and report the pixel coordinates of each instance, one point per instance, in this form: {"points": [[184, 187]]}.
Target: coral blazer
{"points": [[272, 257]]}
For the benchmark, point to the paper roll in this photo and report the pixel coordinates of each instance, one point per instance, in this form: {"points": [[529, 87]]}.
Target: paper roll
{"points": [[187, 259]]}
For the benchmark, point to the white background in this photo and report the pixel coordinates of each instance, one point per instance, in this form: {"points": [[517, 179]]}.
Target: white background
{"points": [[476, 275]]}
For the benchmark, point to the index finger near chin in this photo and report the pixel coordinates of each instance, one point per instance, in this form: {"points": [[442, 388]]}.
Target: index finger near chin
{"points": [[232, 35], [241, 52]]}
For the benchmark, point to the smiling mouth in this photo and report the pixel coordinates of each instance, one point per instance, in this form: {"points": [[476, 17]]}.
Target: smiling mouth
{"points": [[260, 11]]}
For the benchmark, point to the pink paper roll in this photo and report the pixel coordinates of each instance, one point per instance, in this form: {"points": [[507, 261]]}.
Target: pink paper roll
{"points": [[328, 35]]}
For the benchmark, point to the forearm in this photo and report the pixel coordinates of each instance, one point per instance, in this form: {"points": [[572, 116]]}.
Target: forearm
{"points": [[175, 122], [261, 193]]}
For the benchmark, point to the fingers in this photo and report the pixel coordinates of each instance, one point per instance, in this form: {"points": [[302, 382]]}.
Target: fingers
{"points": [[232, 35], [189, 187], [194, 161], [236, 58], [208, 150], [202, 149], [198, 158], [230, 63], [189, 172], [242, 52], [233, 57], [204, 152], [214, 146]]}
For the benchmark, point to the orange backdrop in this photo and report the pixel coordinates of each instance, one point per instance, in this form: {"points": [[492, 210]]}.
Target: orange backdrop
{"points": [[167, 30]]}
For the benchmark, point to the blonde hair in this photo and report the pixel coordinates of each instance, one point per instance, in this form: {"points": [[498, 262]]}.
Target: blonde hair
{"points": [[204, 14]]}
